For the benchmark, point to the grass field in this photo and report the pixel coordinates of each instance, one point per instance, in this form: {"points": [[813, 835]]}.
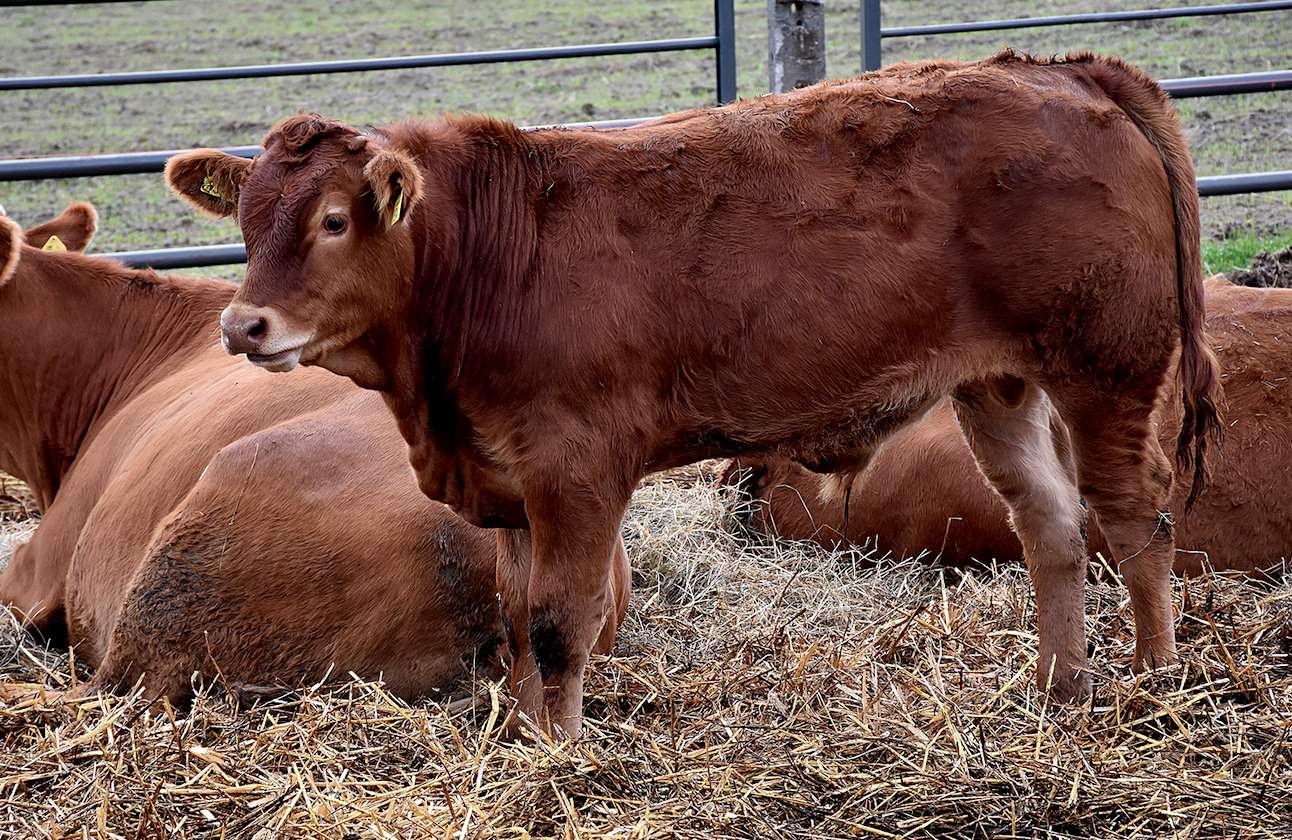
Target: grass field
{"points": [[1232, 134]]}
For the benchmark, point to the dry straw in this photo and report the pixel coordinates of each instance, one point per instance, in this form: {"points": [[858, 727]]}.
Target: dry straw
{"points": [[757, 690]]}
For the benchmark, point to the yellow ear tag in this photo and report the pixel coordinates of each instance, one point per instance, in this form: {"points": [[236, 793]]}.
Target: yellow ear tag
{"points": [[398, 209], [53, 244], [208, 187]]}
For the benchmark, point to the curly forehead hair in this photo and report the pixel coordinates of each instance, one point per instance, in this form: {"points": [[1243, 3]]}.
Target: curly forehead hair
{"points": [[298, 134]]}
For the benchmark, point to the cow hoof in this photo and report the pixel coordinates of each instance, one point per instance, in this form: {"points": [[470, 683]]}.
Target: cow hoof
{"points": [[1150, 660], [519, 727], [1073, 690]]}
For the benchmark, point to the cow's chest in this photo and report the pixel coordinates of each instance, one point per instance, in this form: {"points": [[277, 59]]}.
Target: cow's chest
{"points": [[460, 477]]}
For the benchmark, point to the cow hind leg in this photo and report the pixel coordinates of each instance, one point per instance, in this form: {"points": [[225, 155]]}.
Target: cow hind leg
{"points": [[1011, 428], [1126, 479]]}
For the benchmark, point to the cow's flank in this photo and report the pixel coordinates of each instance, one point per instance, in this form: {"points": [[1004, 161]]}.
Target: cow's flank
{"points": [[922, 492], [564, 311]]}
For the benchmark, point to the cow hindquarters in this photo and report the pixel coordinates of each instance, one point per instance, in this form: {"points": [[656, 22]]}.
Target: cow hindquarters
{"points": [[1023, 452]]}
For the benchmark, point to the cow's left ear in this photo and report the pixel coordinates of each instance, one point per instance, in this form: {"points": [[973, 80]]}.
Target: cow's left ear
{"points": [[10, 247], [71, 230], [396, 184], [208, 179]]}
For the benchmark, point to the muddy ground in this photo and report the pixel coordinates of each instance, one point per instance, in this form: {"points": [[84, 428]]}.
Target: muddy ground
{"points": [[1267, 271]]}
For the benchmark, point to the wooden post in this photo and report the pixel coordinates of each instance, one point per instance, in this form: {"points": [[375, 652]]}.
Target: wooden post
{"points": [[795, 43]]}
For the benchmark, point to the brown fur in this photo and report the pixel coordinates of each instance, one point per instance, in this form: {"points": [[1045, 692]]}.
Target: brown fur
{"points": [[74, 227], [199, 514], [389, 174], [923, 493], [799, 275], [222, 175]]}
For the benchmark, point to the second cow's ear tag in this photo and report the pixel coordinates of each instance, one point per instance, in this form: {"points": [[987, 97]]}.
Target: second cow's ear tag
{"points": [[208, 187], [53, 244]]}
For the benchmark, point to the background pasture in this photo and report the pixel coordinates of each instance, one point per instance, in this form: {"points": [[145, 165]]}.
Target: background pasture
{"points": [[1229, 134], [758, 689]]}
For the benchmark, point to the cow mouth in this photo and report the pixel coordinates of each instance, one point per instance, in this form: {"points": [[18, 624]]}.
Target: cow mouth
{"points": [[280, 362]]}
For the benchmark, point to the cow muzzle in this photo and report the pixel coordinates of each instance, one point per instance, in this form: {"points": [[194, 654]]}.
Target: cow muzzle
{"points": [[262, 335]]}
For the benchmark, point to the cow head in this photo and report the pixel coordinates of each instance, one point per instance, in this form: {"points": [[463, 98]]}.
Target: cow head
{"points": [[325, 215]]}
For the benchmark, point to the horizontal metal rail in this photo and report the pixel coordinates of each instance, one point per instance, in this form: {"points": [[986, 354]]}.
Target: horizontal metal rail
{"points": [[1090, 17], [1250, 182], [1229, 84], [10, 4], [356, 65], [85, 166], [208, 255], [169, 259], [141, 163]]}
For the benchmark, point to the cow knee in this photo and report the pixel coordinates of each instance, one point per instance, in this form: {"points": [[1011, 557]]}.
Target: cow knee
{"points": [[553, 649]]}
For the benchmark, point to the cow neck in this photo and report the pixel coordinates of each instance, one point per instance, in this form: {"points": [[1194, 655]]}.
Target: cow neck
{"points": [[475, 278], [79, 336]]}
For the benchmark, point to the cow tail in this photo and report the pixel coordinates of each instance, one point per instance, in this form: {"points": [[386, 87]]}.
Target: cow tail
{"points": [[1148, 107]]}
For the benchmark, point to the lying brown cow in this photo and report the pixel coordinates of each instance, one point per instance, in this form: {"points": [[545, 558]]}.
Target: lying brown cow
{"points": [[923, 492], [199, 513], [553, 314]]}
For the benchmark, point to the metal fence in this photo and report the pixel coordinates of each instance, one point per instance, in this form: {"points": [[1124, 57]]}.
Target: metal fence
{"points": [[722, 42], [873, 33]]}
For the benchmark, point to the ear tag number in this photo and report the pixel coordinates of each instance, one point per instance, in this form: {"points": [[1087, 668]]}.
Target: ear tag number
{"points": [[53, 244], [208, 187]]}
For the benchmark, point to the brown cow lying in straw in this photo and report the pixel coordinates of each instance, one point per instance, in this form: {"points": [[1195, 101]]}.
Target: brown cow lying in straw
{"points": [[201, 514], [923, 492], [553, 314]]}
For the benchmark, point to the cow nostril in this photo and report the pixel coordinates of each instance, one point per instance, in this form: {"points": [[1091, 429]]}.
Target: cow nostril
{"points": [[257, 329]]}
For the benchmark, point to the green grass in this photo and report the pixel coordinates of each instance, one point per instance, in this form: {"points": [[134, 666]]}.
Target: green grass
{"points": [[1237, 251]]}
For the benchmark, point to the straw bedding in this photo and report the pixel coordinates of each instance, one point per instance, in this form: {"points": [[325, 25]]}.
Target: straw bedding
{"points": [[757, 689]]}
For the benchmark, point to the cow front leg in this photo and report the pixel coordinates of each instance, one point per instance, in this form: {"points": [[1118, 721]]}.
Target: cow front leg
{"points": [[575, 538]]}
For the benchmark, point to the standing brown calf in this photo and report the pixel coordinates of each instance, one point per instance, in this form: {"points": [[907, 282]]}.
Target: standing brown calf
{"points": [[922, 491], [553, 314]]}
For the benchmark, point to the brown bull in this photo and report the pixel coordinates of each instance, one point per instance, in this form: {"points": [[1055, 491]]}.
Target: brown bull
{"points": [[553, 314], [923, 492], [201, 514]]}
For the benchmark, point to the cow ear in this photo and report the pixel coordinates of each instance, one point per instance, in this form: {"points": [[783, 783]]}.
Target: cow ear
{"points": [[208, 179], [396, 185], [10, 248], [71, 230]]}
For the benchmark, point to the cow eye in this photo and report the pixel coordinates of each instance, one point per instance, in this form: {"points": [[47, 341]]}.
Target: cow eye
{"points": [[334, 224]]}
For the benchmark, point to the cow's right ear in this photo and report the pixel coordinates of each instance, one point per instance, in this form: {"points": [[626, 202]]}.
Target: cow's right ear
{"points": [[208, 179], [396, 184], [10, 248]]}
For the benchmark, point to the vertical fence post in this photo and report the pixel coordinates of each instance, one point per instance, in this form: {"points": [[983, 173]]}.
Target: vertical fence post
{"points": [[724, 28], [795, 43], [871, 52]]}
